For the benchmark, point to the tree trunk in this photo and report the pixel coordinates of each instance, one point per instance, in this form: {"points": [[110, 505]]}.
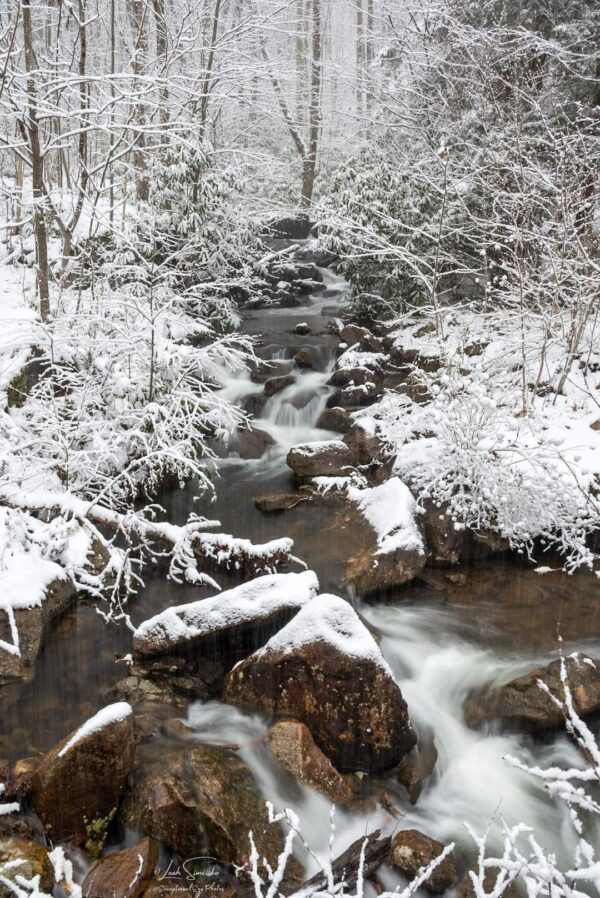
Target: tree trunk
{"points": [[137, 19], [37, 166], [309, 162]]}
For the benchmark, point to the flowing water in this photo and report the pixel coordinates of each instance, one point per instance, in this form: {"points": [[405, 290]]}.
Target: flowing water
{"points": [[441, 640]]}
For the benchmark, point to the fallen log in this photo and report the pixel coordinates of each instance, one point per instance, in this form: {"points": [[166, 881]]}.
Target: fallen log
{"points": [[346, 867]]}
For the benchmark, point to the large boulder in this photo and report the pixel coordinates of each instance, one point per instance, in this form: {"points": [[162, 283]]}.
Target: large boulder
{"points": [[411, 850], [385, 542], [252, 442], [325, 669], [294, 747], [78, 784], [201, 800], [324, 458], [195, 645], [526, 704], [27, 859], [124, 873]]}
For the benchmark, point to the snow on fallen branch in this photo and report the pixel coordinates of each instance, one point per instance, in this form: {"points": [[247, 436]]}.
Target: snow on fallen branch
{"points": [[186, 546]]}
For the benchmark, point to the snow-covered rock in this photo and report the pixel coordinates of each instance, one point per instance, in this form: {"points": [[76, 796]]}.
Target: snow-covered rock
{"points": [[325, 669], [78, 784], [323, 458], [385, 542], [201, 641]]}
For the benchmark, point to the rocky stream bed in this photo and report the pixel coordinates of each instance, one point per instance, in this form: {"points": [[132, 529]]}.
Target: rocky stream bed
{"points": [[392, 689]]}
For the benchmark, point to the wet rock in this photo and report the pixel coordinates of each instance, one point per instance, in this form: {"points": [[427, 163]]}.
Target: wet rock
{"points": [[253, 404], [276, 384], [294, 747], [202, 640], [35, 862], [305, 358], [385, 542], [201, 800], [124, 873], [417, 768], [78, 784], [33, 625], [261, 370], [280, 502], [412, 850], [139, 692], [324, 669], [302, 329], [330, 458], [523, 706], [252, 442], [596, 425], [336, 419]]}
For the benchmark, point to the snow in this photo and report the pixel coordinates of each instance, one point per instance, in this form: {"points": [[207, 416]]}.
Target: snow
{"points": [[257, 598], [390, 509], [331, 620], [33, 555], [10, 808], [18, 322], [317, 446], [104, 718]]}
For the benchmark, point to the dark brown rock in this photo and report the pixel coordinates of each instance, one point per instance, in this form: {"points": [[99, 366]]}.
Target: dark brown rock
{"points": [[412, 850], [305, 358], [351, 704], [336, 419], [276, 384], [323, 459], [302, 329], [35, 862], [523, 706], [124, 873], [252, 442], [417, 768], [294, 747], [205, 805], [78, 784]]}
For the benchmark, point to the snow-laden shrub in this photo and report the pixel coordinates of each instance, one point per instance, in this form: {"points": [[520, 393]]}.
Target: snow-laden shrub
{"points": [[129, 396], [491, 472]]}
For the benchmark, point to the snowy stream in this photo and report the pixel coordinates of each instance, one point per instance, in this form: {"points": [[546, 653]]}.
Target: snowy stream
{"points": [[442, 642]]}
